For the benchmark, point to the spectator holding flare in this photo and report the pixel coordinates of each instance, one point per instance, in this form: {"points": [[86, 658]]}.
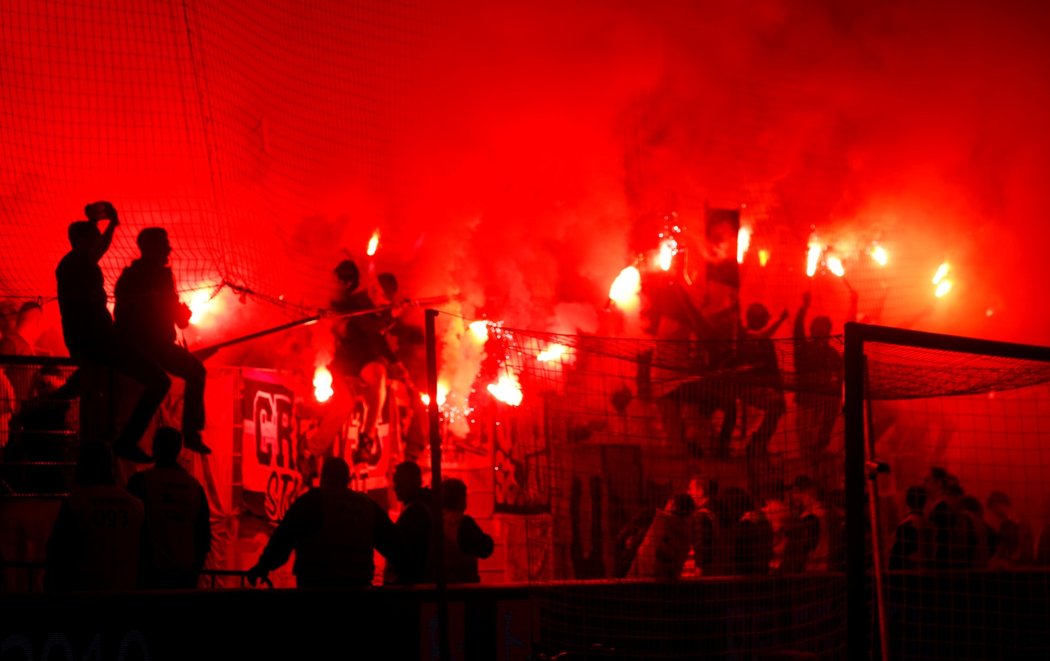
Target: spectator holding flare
{"points": [[177, 531], [87, 326], [147, 311], [362, 350]]}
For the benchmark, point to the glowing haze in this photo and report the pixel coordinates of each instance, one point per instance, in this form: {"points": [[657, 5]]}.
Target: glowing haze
{"points": [[518, 154]]}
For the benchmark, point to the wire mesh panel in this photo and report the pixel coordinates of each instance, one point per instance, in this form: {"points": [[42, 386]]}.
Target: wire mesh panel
{"points": [[681, 500], [960, 463]]}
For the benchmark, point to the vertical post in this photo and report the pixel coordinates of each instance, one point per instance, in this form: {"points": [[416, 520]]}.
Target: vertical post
{"points": [[856, 593], [437, 531]]}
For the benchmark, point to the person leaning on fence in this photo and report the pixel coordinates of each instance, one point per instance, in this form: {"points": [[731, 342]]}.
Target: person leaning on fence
{"points": [[334, 532], [177, 529], [465, 541], [95, 541]]}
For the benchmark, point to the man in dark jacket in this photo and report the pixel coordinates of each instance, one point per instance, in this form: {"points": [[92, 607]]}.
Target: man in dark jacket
{"points": [[410, 566], [177, 530], [147, 311], [333, 531]]}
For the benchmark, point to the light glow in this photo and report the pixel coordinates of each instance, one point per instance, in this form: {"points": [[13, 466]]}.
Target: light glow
{"points": [[200, 305], [479, 330], [373, 243], [763, 257], [813, 257], [942, 271], [668, 249], [879, 255], [835, 265], [743, 242], [506, 389], [626, 286], [323, 384], [943, 288], [442, 394], [551, 353]]}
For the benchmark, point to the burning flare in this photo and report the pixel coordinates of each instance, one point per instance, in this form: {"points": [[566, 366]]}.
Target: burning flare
{"points": [[626, 286], [835, 265], [763, 257], [743, 242], [941, 280], [200, 304], [373, 243], [551, 353], [479, 330], [442, 393], [322, 384], [813, 257], [668, 249], [507, 389], [879, 255]]}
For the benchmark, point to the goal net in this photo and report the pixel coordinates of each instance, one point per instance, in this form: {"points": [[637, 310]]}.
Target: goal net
{"points": [[956, 436]]}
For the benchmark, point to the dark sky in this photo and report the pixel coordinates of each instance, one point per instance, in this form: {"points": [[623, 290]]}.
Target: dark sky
{"points": [[521, 153]]}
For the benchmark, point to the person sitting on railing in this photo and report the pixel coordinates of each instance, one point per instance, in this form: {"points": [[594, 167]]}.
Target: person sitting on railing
{"points": [[334, 532], [362, 350], [146, 313]]}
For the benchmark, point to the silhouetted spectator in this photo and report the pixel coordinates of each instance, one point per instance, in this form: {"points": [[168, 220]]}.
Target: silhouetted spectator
{"points": [[1042, 548], [465, 541], [1014, 539], [665, 546], [765, 389], [905, 552], [88, 328], [94, 544], [817, 523], [820, 372], [19, 339], [945, 526], [362, 349], [177, 528], [409, 566], [146, 313], [334, 532], [754, 541], [705, 525], [980, 540]]}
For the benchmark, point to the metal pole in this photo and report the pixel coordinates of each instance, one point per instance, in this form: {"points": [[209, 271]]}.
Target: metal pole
{"points": [[876, 524], [857, 619], [438, 526]]}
